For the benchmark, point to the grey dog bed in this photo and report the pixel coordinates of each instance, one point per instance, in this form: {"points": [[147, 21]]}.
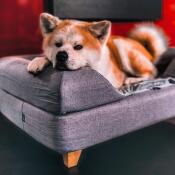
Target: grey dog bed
{"points": [[72, 110]]}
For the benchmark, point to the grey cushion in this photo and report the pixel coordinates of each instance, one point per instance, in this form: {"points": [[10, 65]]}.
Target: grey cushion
{"points": [[76, 130], [55, 91], [80, 130]]}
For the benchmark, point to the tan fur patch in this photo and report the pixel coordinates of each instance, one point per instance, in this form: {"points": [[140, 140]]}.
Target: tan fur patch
{"points": [[141, 65], [89, 41]]}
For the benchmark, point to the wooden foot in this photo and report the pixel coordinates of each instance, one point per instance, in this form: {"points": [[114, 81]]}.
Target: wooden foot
{"points": [[71, 159]]}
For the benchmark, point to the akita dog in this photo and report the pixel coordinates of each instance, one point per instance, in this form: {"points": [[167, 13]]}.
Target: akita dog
{"points": [[71, 45]]}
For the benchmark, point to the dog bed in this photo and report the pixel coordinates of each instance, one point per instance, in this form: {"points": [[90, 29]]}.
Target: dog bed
{"points": [[68, 111]]}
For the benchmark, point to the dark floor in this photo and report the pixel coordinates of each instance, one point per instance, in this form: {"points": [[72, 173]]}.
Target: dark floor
{"points": [[150, 151]]}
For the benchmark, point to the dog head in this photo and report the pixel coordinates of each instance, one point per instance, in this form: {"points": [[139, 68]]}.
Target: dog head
{"points": [[71, 44]]}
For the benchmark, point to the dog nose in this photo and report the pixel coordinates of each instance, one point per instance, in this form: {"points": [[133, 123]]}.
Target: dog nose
{"points": [[62, 56]]}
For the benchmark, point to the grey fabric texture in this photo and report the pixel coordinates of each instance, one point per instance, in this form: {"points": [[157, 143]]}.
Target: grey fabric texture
{"points": [[80, 130], [41, 91], [97, 120], [58, 92], [11, 107], [84, 89]]}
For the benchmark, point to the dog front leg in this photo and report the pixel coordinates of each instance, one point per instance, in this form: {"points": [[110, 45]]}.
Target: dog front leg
{"points": [[37, 65], [131, 80]]}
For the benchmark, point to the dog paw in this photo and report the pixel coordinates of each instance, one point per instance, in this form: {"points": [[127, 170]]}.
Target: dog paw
{"points": [[129, 81], [37, 65]]}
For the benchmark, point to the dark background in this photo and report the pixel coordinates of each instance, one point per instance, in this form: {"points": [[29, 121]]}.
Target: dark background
{"points": [[115, 10], [150, 151]]}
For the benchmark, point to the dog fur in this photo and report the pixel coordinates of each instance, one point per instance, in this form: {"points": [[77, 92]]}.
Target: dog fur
{"points": [[121, 60]]}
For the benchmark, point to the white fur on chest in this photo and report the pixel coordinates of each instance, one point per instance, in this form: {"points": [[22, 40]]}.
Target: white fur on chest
{"points": [[105, 67]]}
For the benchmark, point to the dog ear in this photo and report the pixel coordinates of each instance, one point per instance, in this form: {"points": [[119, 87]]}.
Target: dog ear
{"points": [[101, 30], [48, 23]]}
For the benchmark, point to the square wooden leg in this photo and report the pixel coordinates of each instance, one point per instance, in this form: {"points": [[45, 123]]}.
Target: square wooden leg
{"points": [[71, 158]]}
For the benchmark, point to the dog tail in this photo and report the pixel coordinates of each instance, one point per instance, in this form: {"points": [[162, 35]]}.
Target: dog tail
{"points": [[151, 37]]}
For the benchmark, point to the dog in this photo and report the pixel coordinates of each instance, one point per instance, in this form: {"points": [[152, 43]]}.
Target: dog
{"points": [[72, 44]]}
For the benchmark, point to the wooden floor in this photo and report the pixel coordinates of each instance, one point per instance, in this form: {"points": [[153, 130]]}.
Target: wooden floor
{"points": [[150, 151]]}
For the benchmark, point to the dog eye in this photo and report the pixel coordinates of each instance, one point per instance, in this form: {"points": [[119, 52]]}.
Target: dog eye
{"points": [[59, 44], [78, 47]]}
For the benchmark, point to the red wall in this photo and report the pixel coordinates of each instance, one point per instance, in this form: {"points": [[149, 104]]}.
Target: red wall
{"points": [[167, 22], [19, 32]]}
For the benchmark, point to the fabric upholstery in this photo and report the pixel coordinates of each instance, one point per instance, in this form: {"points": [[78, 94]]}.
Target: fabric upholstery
{"points": [[80, 130], [55, 91], [11, 107], [98, 116]]}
